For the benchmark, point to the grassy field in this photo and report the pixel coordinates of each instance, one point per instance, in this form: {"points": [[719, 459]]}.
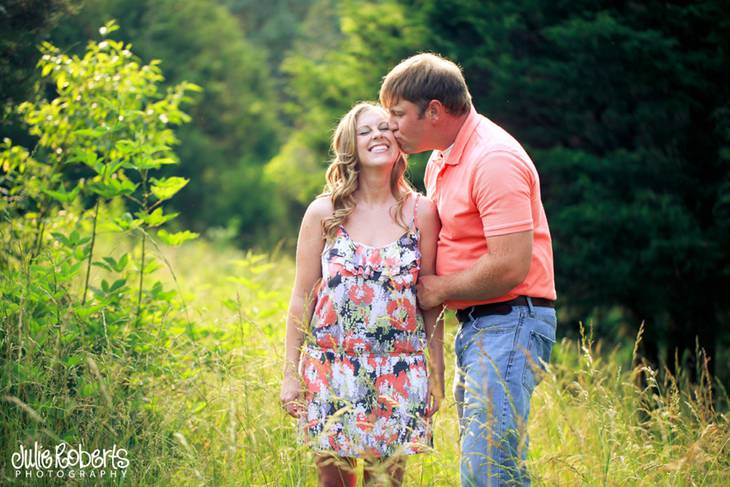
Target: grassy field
{"points": [[203, 407]]}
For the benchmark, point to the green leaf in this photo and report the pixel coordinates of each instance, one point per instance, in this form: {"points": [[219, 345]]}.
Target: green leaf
{"points": [[62, 239], [158, 292], [103, 265], [165, 160], [176, 238], [231, 304], [47, 68], [74, 360], [90, 132], [166, 188], [63, 196], [108, 28], [86, 311], [122, 263], [73, 240], [116, 265], [199, 406], [126, 147], [113, 187], [148, 162], [156, 218], [127, 222], [86, 156], [117, 285]]}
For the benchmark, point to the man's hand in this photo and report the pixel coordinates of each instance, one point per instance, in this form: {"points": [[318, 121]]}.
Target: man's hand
{"points": [[429, 291]]}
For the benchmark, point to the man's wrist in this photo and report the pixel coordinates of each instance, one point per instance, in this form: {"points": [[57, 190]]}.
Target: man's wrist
{"points": [[442, 289]]}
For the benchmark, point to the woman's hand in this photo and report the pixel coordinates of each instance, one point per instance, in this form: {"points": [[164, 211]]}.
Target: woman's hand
{"points": [[435, 392], [292, 397]]}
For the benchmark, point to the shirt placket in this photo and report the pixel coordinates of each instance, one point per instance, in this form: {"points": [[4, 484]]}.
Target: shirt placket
{"points": [[436, 182]]}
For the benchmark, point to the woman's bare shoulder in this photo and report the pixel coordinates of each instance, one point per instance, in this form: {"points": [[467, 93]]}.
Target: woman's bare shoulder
{"points": [[427, 212], [320, 208]]}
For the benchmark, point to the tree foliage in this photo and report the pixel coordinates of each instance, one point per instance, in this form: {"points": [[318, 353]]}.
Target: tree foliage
{"points": [[624, 107], [24, 24], [102, 137], [325, 80], [235, 127]]}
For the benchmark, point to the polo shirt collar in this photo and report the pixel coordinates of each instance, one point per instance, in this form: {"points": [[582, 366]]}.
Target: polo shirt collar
{"points": [[453, 156]]}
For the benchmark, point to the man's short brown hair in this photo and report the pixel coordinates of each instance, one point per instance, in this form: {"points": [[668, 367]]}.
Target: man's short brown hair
{"points": [[425, 77]]}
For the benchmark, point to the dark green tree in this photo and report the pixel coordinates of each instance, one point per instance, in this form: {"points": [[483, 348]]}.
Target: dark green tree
{"points": [[624, 106], [272, 26], [24, 24]]}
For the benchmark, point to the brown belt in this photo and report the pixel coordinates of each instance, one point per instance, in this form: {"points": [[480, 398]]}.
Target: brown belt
{"points": [[501, 308]]}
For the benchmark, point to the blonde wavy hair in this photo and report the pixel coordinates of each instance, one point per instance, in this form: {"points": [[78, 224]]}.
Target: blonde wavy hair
{"points": [[343, 173]]}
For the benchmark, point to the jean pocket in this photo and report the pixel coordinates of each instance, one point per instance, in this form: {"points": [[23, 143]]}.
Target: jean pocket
{"points": [[539, 349], [547, 316], [495, 323]]}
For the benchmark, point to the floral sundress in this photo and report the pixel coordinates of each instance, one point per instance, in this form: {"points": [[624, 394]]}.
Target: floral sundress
{"points": [[363, 361]]}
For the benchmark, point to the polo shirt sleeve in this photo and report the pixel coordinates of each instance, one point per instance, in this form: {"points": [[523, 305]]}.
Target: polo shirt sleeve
{"points": [[501, 191]]}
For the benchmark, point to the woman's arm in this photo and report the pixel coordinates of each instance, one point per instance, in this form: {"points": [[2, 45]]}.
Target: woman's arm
{"points": [[429, 225], [308, 272]]}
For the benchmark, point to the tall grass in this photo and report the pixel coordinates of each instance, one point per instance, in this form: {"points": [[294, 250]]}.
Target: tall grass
{"points": [[203, 408]]}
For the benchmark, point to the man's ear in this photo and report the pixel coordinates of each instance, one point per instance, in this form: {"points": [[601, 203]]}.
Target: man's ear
{"points": [[435, 110]]}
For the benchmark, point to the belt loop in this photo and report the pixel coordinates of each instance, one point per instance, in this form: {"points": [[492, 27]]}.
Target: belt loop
{"points": [[471, 310], [529, 305]]}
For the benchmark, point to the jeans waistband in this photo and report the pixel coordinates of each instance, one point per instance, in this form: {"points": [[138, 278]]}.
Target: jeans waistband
{"points": [[501, 308]]}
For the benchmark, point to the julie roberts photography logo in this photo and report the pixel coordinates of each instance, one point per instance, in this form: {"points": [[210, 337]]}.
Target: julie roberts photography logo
{"points": [[67, 461]]}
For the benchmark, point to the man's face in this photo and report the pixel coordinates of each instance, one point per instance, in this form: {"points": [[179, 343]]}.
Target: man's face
{"points": [[411, 132]]}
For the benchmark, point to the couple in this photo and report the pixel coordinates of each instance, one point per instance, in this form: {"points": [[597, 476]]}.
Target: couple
{"points": [[364, 365]]}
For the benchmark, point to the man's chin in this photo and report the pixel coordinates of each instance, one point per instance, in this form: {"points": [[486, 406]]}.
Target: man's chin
{"points": [[406, 150]]}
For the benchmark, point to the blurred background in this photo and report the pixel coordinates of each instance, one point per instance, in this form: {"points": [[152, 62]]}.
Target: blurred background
{"points": [[623, 106]]}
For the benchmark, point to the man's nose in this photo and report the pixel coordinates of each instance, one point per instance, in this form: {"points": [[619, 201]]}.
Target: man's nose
{"points": [[392, 125]]}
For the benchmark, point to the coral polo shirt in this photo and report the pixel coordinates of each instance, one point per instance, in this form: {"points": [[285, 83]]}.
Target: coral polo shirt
{"points": [[486, 186]]}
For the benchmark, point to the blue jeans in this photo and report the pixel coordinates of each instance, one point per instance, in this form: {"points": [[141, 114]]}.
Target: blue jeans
{"points": [[499, 360]]}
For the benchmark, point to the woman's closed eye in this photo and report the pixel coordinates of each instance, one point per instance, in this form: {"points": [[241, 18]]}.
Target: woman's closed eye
{"points": [[383, 128]]}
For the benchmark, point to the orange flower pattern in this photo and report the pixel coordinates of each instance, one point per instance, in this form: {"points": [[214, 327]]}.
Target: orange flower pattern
{"points": [[363, 364]]}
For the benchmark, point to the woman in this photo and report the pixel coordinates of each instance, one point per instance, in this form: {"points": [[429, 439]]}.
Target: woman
{"points": [[365, 389]]}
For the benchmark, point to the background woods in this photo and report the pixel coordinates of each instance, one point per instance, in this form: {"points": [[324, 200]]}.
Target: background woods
{"points": [[214, 118]]}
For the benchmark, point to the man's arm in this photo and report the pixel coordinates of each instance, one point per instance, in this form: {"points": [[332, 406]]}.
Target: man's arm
{"points": [[501, 191], [501, 269]]}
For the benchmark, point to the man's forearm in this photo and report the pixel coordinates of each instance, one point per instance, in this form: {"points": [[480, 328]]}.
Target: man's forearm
{"points": [[488, 278]]}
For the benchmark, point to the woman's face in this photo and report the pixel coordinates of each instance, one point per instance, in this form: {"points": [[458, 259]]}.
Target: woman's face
{"points": [[376, 145]]}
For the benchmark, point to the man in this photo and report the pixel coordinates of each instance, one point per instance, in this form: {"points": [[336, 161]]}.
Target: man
{"points": [[494, 264]]}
